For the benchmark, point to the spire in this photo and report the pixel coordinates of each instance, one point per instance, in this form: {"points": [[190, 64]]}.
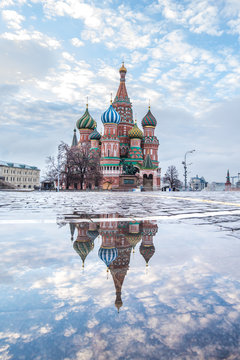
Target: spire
{"points": [[72, 228], [74, 140], [122, 91], [147, 164], [228, 176], [228, 182]]}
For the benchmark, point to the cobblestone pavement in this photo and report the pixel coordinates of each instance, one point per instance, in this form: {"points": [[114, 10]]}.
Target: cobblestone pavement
{"points": [[221, 209]]}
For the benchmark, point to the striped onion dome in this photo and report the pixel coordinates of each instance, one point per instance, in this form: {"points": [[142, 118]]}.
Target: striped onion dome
{"points": [[108, 255], [147, 252], [92, 234], [149, 119], [135, 132], [86, 121], [95, 135], [83, 248], [110, 116]]}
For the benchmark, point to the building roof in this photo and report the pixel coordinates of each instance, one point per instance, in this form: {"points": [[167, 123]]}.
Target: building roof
{"points": [[20, 166], [135, 132], [74, 140], [86, 121], [122, 94], [110, 116], [147, 164], [149, 119]]}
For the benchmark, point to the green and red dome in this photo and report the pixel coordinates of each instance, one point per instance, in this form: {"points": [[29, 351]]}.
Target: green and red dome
{"points": [[149, 119], [95, 135]]}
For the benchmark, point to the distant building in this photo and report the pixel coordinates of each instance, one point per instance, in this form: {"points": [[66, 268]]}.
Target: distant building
{"points": [[228, 184], [238, 182], [198, 184], [21, 176], [216, 186]]}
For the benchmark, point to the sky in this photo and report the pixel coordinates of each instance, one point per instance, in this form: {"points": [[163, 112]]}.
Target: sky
{"points": [[183, 55]]}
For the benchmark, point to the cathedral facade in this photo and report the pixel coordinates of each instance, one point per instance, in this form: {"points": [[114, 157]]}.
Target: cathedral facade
{"points": [[128, 155]]}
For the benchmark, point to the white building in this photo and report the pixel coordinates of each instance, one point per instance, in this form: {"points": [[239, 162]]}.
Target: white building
{"points": [[21, 176], [198, 184]]}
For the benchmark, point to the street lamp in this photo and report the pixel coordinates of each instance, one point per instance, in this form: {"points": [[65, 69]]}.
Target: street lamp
{"points": [[185, 167]]}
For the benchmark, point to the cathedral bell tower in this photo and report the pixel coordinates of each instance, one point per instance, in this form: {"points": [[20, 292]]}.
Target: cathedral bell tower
{"points": [[123, 106]]}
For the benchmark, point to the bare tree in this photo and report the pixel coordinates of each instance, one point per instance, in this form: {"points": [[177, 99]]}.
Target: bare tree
{"points": [[61, 165], [85, 166], [76, 165], [171, 177]]}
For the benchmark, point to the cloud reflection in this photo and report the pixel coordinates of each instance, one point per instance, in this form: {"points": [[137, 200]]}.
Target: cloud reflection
{"points": [[184, 305]]}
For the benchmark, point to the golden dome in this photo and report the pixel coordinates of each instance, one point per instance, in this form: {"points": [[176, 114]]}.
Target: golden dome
{"points": [[122, 68]]}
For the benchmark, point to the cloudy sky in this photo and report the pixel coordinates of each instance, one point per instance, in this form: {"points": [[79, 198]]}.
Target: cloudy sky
{"points": [[183, 55]]}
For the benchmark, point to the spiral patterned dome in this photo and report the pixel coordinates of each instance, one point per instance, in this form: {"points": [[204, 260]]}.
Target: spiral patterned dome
{"points": [[135, 132], [92, 234], [110, 116], [95, 135], [86, 121], [83, 248], [149, 119], [108, 255]]}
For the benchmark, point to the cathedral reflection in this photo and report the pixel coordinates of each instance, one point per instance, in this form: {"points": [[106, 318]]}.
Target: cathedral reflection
{"points": [[118, 241]]}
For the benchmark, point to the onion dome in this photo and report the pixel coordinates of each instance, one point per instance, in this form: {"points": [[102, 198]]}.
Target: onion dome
{"points": [[149, 119], [95, 135], [135, 132], [110, 116], [147, 252], [122, 68], [83, 248], [108, 255], [86, 121], [92, 234], [133, 239]]}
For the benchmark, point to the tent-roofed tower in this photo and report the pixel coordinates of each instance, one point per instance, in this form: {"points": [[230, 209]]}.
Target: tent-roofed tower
{"points": [[228, 184], [123, 106]]}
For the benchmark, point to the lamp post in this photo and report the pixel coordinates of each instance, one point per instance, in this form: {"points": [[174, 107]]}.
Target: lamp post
{"points": [[185, 167]]}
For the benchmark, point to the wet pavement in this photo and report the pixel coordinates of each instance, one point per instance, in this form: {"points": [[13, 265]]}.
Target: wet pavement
{"points": [[160, 278]]}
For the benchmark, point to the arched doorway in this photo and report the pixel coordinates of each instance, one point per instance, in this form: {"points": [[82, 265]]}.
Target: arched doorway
{"points": [[147, 181]]}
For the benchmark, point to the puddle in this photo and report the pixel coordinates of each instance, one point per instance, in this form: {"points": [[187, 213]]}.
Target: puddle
{"points": [[114, 286]]}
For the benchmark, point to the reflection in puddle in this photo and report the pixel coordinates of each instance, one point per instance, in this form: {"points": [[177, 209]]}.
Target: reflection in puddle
{"points": [[184, 305], [118, 241]]}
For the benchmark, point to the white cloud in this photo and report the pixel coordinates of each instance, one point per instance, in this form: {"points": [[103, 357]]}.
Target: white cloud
{"points": [[199, 17], [77, 42], [25, 35], [13, 19]]}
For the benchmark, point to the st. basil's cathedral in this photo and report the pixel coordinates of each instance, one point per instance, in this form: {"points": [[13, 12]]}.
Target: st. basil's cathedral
{"points": [[128, 155]]}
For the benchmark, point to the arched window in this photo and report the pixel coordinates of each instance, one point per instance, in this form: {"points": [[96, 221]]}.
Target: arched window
{"points": [[150, 176]]}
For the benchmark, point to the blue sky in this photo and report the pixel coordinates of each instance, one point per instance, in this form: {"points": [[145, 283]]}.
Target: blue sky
{"points": [[182, 55]]}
